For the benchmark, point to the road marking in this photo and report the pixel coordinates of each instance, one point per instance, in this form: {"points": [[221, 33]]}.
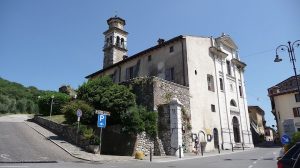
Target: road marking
{"points": [[5, 156], [13, 166], [250, 166], [254, 162]]}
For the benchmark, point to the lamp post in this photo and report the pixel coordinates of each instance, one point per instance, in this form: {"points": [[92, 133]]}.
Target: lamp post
{"points": [[290, 49], [52, 97]]}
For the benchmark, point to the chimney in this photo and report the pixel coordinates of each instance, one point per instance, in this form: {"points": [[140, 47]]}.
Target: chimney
{"points": [[160, 41]]}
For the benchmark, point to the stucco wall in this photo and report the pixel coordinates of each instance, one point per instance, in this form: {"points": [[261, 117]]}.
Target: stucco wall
{"points": [[284, 105]]}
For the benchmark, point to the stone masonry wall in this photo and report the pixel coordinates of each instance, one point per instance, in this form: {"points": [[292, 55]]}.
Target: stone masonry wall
{"points": [[67, 132], [153, 92], [163, 92]]}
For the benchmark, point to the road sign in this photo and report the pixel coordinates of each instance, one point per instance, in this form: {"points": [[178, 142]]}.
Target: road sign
{"points": [[79, 113], [101, 121], [102, 112], [285, 139]]}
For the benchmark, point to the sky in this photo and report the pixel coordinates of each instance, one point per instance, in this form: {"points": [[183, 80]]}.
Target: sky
{"points": [[50, 43]]}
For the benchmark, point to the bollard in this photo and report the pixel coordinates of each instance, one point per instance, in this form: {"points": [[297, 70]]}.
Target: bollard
{"points": [[243, 146], [232, 147], [179, 150], [219, 148], [150, 154], [201, 148]]}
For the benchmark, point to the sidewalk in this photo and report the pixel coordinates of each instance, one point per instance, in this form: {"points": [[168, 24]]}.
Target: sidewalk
{"points": [[83, 155], [188, 156]]}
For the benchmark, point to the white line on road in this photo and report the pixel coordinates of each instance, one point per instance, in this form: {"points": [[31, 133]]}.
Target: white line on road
{"points": [[250, 166], [5, 156], [13, 166], [254, 162]]}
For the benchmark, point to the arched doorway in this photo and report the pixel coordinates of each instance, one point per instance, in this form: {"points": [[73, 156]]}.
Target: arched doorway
{"points": [[236, 129], [216, 138]]}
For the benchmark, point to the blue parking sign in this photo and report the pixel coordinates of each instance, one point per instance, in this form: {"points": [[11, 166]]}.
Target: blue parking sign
{"points": [[101, 121]]}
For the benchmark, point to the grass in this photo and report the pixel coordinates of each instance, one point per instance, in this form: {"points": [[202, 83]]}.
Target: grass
{"points": [[60, 119]]}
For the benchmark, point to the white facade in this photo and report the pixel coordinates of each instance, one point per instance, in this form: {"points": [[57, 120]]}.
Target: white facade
{"points": [[200, 63]]}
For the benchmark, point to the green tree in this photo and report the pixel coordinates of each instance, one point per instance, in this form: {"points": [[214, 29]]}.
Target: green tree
{"points": [[15, 98], [103, 94], [88, 117], [295, 139], [137, 119], [44, 102]]}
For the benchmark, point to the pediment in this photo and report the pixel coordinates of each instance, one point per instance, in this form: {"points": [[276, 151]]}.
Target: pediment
{"points": [[227, 41]]}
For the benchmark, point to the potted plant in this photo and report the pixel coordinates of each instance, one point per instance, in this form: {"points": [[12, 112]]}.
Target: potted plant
{"points": [[94, 144]]}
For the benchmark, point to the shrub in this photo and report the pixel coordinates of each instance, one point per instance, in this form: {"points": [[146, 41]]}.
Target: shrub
{"points": [[88, 117], [59, 100], [103, 94], [137, 119], [295, 138]]}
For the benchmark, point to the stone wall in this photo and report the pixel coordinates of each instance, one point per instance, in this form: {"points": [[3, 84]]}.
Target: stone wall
{"points": [[153, 92], [69, 133], [163, 92]]}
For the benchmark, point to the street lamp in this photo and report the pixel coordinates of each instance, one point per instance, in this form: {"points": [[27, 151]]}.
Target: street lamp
{"points": [[52, 97], [290, 49]]}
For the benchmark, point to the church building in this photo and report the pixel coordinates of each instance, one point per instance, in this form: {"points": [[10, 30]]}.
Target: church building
{"points": [[202, 75]]}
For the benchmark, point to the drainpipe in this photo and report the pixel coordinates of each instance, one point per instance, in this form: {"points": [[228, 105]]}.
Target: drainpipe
{"points": [[212, 44], [119, 74], [183, 62]]}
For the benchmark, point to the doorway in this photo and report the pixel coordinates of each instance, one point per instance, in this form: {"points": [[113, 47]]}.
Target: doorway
{"points": [[236, 129], [216, 138]]}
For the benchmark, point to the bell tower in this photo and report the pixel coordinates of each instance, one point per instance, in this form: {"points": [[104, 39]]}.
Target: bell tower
{"points": [[115, 45]]}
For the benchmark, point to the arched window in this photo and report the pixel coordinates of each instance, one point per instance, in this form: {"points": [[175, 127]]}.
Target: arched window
{"points": [[110, 39], [232, 103], [122, 43], [118, 41]]}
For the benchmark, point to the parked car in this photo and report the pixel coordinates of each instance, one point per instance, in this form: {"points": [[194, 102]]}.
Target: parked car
{"points": [[289, 158], [297, 162]]}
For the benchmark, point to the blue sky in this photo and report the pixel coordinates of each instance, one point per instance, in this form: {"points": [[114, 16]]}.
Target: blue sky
{"points": [[48, 43]]}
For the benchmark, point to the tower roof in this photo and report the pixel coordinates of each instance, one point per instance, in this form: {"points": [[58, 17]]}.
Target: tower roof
{"points": [[116, 18]]}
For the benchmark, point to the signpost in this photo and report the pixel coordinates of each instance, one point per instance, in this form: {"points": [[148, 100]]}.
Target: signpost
{"points": [[285, 139], [101, 123], [79, 114]]}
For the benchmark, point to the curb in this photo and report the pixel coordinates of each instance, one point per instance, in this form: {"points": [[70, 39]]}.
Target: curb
{"points": [[70, 153]]}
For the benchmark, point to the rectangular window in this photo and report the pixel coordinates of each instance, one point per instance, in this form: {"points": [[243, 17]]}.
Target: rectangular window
{"points": [[129, 73], [149, 58], [296, 111], [169, 74], [228, 67], [221, 84], [171, 49], [210, 82], [213, 108], [241, 91], [297, 97]]}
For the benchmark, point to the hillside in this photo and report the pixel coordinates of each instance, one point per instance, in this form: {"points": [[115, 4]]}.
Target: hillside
{"points": [[15, 98]]}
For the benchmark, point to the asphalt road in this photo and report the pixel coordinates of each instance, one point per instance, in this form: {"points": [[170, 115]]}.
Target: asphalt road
{"points": [[20, 143]]}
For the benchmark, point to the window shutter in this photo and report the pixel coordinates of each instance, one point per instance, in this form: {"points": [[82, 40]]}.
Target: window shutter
{"points": [[295, 111]]}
